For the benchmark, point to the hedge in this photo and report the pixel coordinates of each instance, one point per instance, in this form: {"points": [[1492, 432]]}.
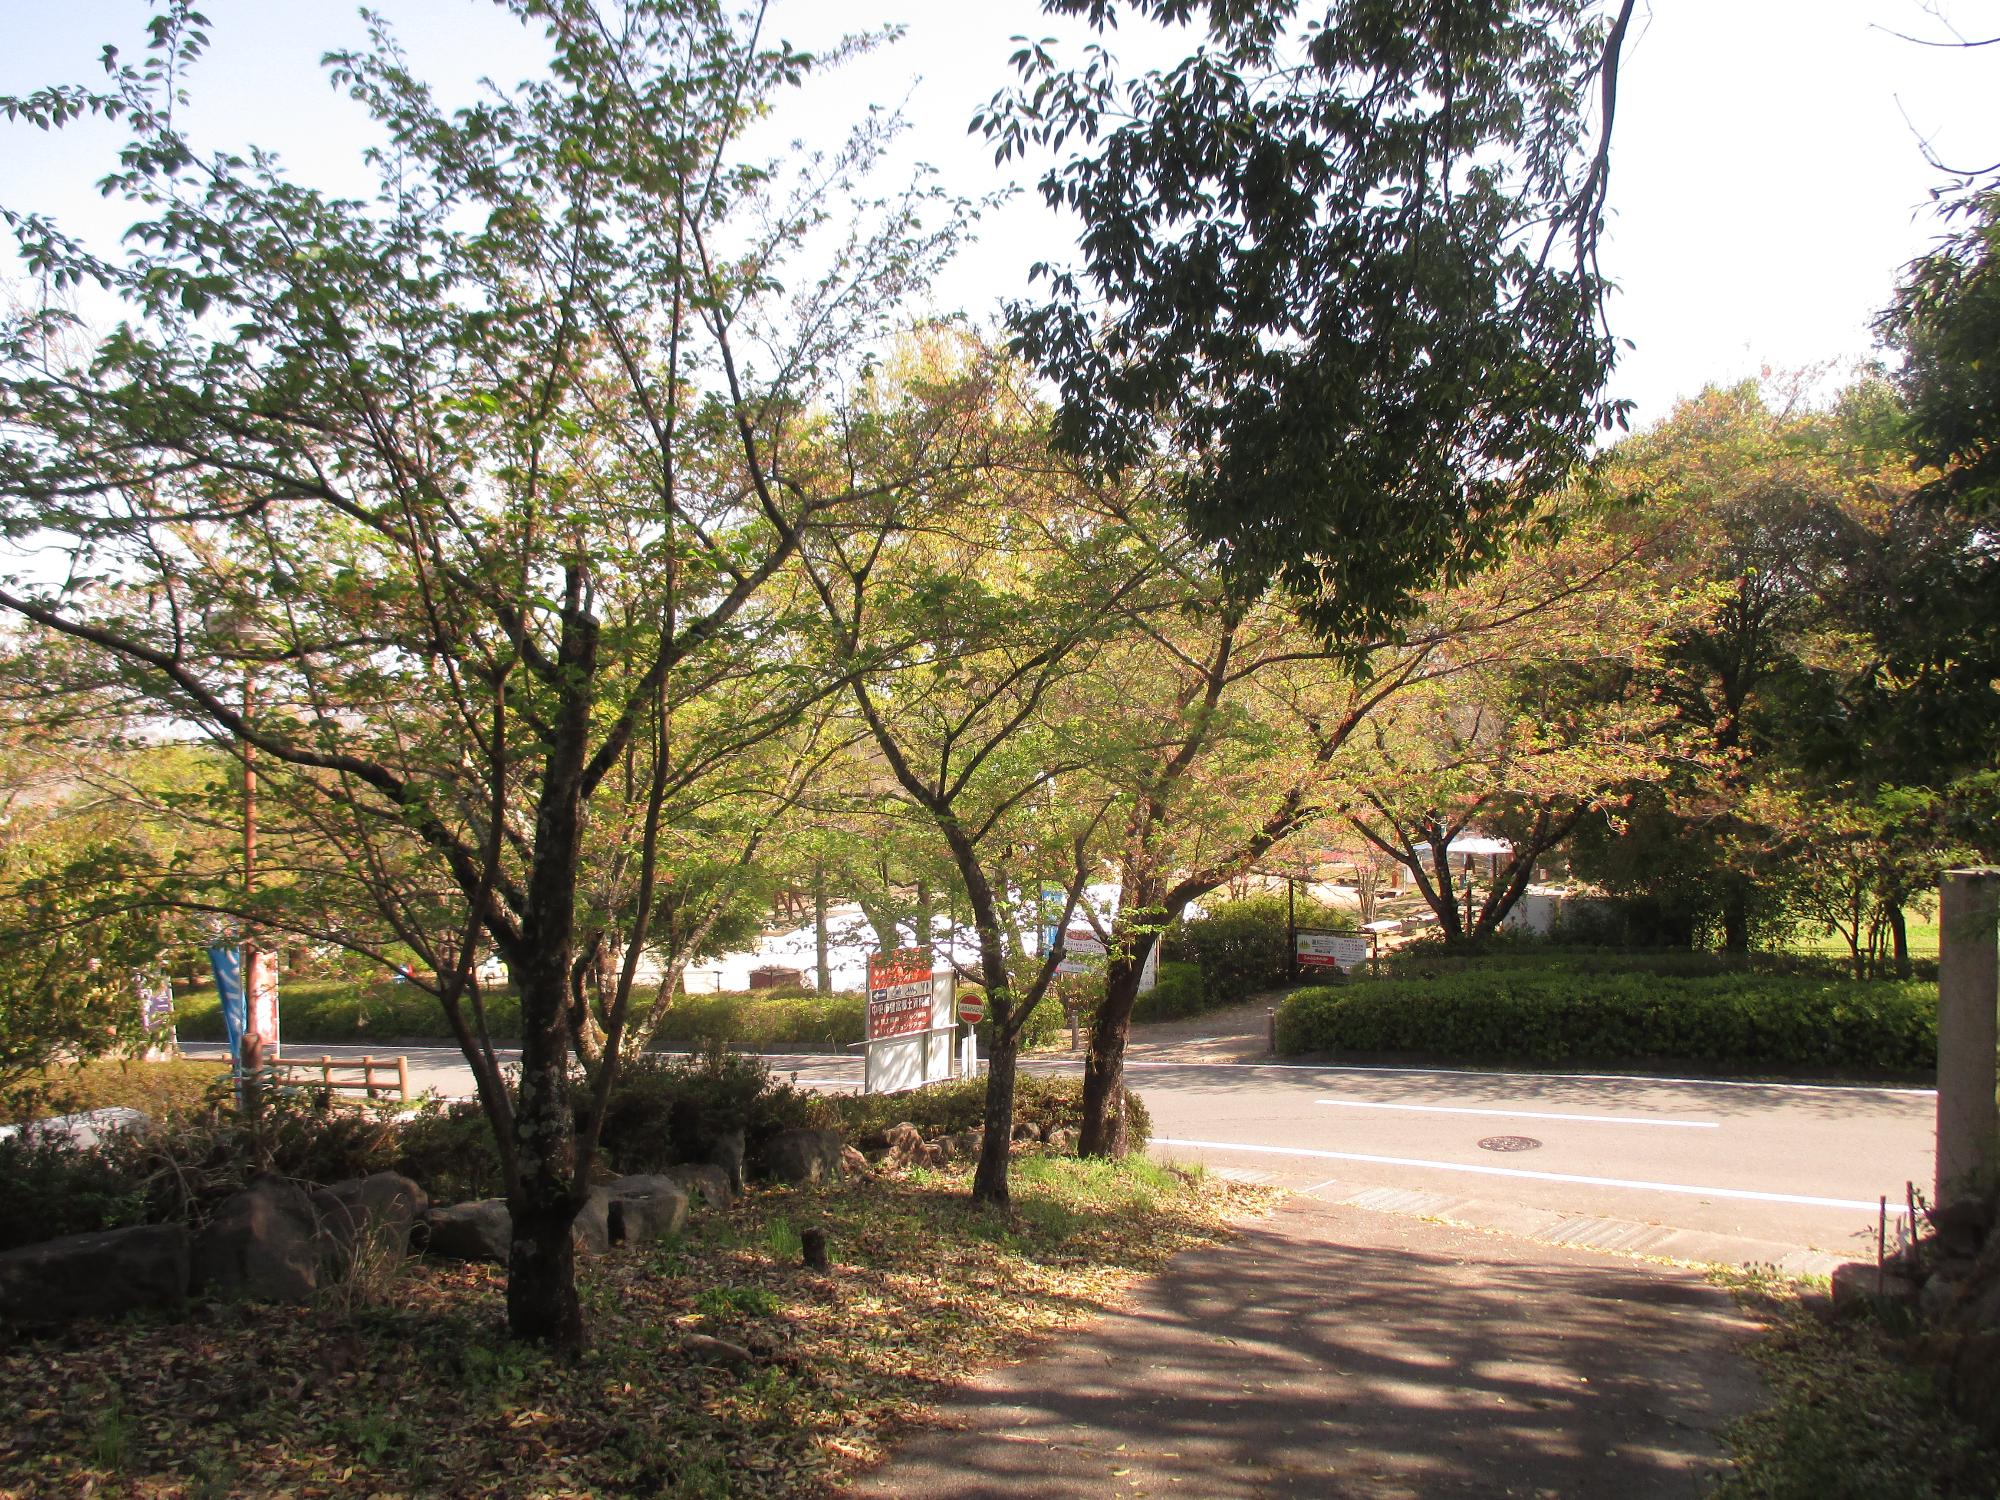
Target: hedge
{"points": [[1544, 1015], [1178, 991], [318, 1012], [1242, 946]]}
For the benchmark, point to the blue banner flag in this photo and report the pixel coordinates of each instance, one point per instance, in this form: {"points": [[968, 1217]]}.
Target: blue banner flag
{"points": [[228, 966]]}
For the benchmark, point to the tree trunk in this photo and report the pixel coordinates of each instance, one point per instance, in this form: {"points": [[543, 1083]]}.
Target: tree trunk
{"points": [[1735, 920], [1899, 940], [989, 1179], [822, 947], [1103, 1132], [541, 1276], [541, 1271], [923, 913]]}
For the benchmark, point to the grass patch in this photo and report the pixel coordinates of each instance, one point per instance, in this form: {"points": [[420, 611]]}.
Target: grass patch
{"points": [[1852, 1417], [156, 1088], [422, 1395]]}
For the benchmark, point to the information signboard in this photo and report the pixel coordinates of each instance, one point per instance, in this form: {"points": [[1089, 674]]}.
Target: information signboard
{"points": [[1345, 951], [1084, 953], [899, 993]]}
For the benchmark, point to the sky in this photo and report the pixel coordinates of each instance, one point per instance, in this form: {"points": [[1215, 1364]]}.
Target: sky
{"points": [[1768, 178]]}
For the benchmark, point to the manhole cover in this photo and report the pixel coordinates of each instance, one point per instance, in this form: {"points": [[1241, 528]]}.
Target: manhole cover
{"points": [[1510, 1143]]}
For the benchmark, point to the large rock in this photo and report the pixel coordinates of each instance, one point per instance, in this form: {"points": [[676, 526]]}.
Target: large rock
{"points": [[263, 1244], [803, 1156], [706, 1178], [646, 1208], [382, 1209], [471, 1231], [95, 1275], [591, 1229]]}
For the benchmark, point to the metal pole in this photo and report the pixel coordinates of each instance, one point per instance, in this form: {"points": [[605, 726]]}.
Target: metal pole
{"points": [[1291, 927]]}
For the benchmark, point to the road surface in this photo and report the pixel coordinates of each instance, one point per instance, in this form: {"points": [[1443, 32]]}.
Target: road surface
{"points": [[1678, 1168]]}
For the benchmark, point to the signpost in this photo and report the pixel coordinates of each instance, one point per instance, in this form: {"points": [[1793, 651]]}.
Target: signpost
{"points": [[1319, 948], [972, 1008], [911, 1023]]}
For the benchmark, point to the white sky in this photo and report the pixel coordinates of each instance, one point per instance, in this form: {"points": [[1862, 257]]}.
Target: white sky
{"points": [[1766, 183]]}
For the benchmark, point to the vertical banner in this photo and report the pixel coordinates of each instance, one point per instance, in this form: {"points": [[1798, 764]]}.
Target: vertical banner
{"points": [[227, 964], [156, 999], [260, 997]]}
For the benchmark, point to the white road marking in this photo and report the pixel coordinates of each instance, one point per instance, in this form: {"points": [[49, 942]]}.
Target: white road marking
{"points": [[1687, 1189], [1719, 1083], [1523, 1114]]}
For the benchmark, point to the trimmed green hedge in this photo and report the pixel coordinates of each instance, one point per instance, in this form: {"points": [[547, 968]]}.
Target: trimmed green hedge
{"points": [[317, 1012], [1241, 946], [1546, 1015], [1178, 992], [756, 1023]]}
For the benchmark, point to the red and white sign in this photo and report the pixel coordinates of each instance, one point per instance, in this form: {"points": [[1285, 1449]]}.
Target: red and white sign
{"points": [[899, 993], [971, 1008], [1333, 950]]}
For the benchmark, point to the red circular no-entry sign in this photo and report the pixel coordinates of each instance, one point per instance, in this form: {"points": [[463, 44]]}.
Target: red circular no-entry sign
{"points": [[971, 1007]]}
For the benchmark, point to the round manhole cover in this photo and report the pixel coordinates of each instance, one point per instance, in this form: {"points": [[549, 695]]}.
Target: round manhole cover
{"points": [[1510, 1143]]}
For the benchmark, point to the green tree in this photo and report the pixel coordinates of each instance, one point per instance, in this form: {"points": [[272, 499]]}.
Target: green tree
{"points": [[1341, 271], [477, 482]]}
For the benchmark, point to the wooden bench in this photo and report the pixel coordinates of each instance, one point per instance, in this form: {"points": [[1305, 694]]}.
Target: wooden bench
{"points": [[355, 1074]]}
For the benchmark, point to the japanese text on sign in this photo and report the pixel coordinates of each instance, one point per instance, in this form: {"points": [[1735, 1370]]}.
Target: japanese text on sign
{"points": [[899, 993], [1333, 950]]}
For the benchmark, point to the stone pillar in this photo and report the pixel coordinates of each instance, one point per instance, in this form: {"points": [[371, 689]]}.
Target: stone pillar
{"points": [[1968, 1000]]}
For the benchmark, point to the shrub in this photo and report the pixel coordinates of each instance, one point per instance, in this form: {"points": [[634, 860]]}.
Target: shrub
{"points": [[318, 1011], [674, 1109], [1179, 992], [448, 1150], [50, 1186], [1044, 1101], [1546, 1016], [1241, 946]]}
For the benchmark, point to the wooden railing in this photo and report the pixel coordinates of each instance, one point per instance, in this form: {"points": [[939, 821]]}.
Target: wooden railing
{"points": [[356, 1074]]}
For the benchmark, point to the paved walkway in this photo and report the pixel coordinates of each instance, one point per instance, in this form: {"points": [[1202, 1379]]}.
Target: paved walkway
{"points": [[1331, 1351]]}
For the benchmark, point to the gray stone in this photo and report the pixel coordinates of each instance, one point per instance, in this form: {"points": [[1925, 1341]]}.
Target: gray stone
{"points": [[853, 1161], [646, 1208], [803, 1155], [727, 1153], [383, 1208], [262, 1244], [591, 1230], [1063, 1141], [95, 1275], [1860, 1283], [1023, 1131], [966, 1145], [705, 1178], [471, 1231]]}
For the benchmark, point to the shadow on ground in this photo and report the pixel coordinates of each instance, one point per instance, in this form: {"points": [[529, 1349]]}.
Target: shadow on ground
{"points": [[1333, 1352]]}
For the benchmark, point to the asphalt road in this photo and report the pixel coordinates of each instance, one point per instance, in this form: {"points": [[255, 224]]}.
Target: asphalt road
{"points": [[1679, 1168]]}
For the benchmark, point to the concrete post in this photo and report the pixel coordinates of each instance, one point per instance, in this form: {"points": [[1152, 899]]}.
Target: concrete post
{"points": [[1968, 1003]]}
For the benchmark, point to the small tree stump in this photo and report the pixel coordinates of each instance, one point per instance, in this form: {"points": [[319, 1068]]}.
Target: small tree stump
{"points": [[813, 1245]]}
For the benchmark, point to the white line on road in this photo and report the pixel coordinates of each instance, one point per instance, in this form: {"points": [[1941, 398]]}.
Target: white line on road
{"points": [[1719, 1083], [1688, 1189], [1522, 1114]]}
